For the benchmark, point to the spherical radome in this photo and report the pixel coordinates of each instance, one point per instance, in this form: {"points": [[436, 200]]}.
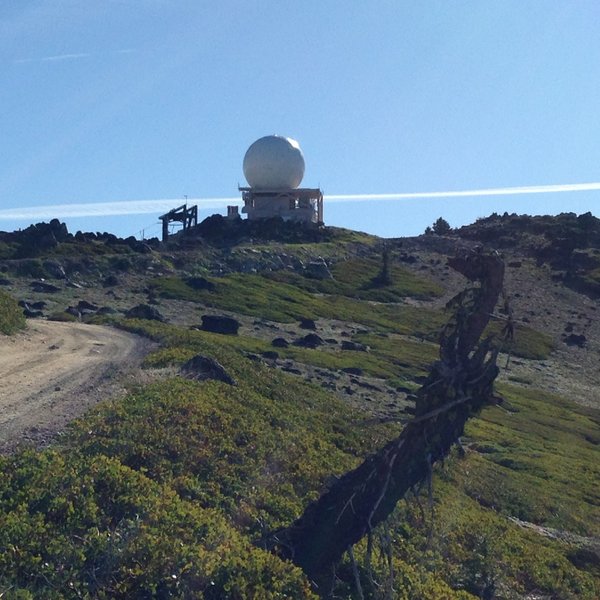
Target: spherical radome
{"points": [[274, 161]]}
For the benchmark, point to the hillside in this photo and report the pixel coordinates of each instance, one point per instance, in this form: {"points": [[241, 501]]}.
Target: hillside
{"points": [[167, 489]]}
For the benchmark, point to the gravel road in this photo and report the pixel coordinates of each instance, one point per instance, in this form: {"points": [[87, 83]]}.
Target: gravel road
{"points": [[53, 372]]}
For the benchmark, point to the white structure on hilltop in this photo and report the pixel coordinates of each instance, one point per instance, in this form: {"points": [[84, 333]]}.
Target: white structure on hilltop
{"points": [[274, 167]]}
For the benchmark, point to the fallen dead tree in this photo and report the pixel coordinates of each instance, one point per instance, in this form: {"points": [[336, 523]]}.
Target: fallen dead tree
{"points": [[460, 383]]}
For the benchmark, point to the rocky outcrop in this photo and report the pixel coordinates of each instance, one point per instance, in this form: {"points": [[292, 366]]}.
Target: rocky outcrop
{"points": [[43, 288], [145, 311], [318, 269], [312, 340], [354, 346], [575, 339], [308, 324], [54, 269], [220, 324], [202, 368], [200, 283]]}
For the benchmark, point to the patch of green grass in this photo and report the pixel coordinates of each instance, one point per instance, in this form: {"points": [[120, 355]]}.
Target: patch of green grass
{"points": [[356, 278], [11, 315], [405, 357], [263, 297], [389, 358], [535, 463], [527, 342], [543, 443]]}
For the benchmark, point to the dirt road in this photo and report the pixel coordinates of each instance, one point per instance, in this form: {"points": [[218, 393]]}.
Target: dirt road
{"points": [[53, 372]]}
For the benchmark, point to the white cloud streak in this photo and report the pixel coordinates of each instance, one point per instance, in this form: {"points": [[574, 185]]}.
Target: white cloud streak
{"points": [[55, 58], [107, 209], [506, 191], [140, 207], [73, 56]]}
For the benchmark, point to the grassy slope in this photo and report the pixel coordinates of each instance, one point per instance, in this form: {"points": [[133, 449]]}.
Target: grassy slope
{"points": [[103, 513], [11, 316]]}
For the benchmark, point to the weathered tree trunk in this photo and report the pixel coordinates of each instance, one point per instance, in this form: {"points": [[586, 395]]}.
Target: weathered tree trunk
{"points": [[459, 384]]}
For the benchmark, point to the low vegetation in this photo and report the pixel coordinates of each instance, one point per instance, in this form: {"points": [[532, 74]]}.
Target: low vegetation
{"points": [[169, 491], [11, 316]]}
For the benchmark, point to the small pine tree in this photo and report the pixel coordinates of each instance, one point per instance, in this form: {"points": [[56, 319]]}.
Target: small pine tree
{"points": [[441, 227]]}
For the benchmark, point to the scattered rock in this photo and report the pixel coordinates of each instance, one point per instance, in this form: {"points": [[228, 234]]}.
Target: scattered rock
{"points": [[202, 368], [54, 269], [220, 324], [318, 269], [72, 310], [312, 340], [292, 370], [408, 258], [5, 281], [110, 281], [144, 311], [43, 287], [74, 285], [85, 305], [353, 370], [200, 283], [280, 342], [308, 324], [354, 346], [575, 340]]}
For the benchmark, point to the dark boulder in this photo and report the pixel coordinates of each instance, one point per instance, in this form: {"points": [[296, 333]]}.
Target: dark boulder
{"points": [[5, 281], [72, 310], [574, 339], [200, 283], [220, 324], [308, 324], [318, 269], [202, 368], [353, 370], [110, 281], [280, 342], [106, 310], [54, 269], [270, 354], [32, 314], [85, 305], [144, 311], [43, 288], [312, 340], [355, 346]]}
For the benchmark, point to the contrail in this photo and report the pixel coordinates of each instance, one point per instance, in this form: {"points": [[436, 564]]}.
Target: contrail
{"points": [[505, 191], [107, 209], [53, 58], [139, 207], [73, 56]]}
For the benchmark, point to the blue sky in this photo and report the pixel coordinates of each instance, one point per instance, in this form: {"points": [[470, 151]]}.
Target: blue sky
{"points": [[128, 100]]}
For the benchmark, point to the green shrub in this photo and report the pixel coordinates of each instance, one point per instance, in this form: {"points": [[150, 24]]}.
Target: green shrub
{"points": [[11, 316], [76, 527]]}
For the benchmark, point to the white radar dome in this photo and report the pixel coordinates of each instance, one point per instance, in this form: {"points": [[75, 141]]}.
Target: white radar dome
{"points": [[274, 161]]}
